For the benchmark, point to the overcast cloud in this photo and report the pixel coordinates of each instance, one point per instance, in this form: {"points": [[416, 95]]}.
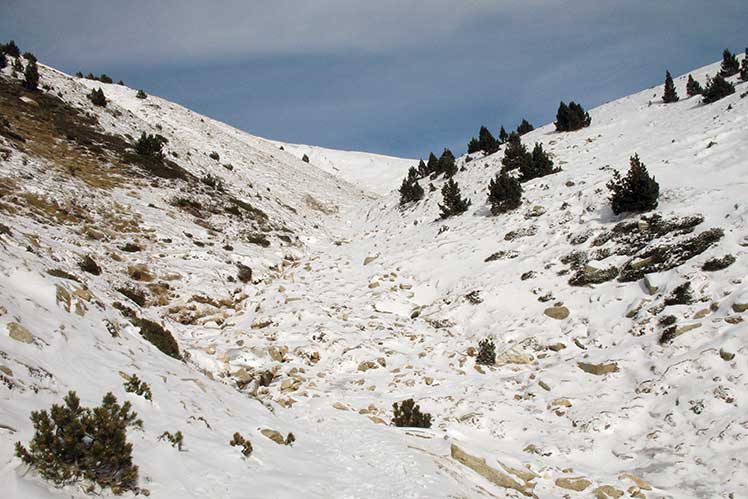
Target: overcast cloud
{"points": [[398, 77]]}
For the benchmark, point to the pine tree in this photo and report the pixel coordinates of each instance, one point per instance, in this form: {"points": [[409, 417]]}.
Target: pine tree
{"points": [[31, 76], [151, 145], [744, 66], [515, 154], [637, 191], [97, 97], [730, 65], [433, 164], [503, 136], [716, 89], [485, 142], [454, 203], [11, 49], [447, 164], [524, 127], [670, 95], [423, 170], [410, 190], [693, 87], [571, 117], [539, 165], [17, 66], [3, 60], [473, 146], [504, 193]]}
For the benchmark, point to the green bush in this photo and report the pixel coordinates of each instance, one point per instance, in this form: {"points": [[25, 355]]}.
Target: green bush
{"points": [[31, 76], [239, 441], [151, 145], [717, 88], [504, 193], [571, 117], [637, 191], [408, 414], [539, 165], [71, 442], [715, 264], [139, 387], [176, 439], [97, 97], [410, 191], [486, 352], [681, 295], [141, 95], [454, 203]]}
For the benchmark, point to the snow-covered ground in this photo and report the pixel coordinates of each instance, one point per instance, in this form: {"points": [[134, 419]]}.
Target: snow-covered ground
{"points": [[365, 304]]}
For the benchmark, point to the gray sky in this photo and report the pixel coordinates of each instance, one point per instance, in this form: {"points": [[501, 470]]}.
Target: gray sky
{"points": [[396, 77]]}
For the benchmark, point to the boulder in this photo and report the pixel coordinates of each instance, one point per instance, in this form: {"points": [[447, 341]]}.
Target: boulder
{"points": [[20, 333], [491, 474], [273, 435], [558, 313], [598, 369], [573, 483]]}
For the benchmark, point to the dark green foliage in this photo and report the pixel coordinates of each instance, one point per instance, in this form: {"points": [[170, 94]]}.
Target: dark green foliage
{"points": [[637, 191], [159, 337], [454, 203], [31, 76], [30, 57], [239, 441], [71, 442], [504, 193], [78, 74], [540, 165], [485, 142], [571, 117], [88, 264], [503, 136], [716, 89], [669, 95], [715, 264], [744, 66], [3, 60], [433, 164], [139, 387], [97, 97], [305, 159], [408, 414], [524, 127], [693, 87], [486, 352], [730, 65], [410, 190], [17, 66], [151, 146], [515, 154], [10, 49], [141, 95], [422, 169], [681, 295], [176, 439], [105, 79], [447, 164], [214, 155]]}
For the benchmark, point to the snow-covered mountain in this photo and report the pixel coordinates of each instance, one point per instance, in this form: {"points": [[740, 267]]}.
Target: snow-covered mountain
{"points": [[355, 303]]}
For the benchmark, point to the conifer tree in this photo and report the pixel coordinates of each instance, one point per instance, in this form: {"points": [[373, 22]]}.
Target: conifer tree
{"points": [[423, 170], [716, 89], [17, 66], [515, 154], [670, 95], [504, 193], [31, 76], [524, 127], [3, 60], [97, 97], [11, 49], [433, 164], [454, 203], [540, 165], [410, 190], [730, 65], [447, 164], [744, 66], [637, 191], [473, 146], [693, 87], [503, 136], [485, 142], [571, 117]]}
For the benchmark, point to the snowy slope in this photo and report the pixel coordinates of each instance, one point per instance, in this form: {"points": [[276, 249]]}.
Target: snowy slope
{"points": [[364, 304], [376, 173]]}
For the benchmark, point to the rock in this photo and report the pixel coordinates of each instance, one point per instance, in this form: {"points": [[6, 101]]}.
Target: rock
{"points": [[278, 353], [377, 420], [273, 435], [366, 365], [428, 380], [726, 356], [598, 369], [556, 347], [340, 406], [733, 319], [493, 475], [20, 333], [577, 483], [649, 286], [739, 308], [6, 370], [558, 313], [702, 313], [561, 403], [513, 357], [370, 259], [535, 211], [607, 492], [544, 385], [374, 284], [290, 385], [640, 482], [686, 328]]}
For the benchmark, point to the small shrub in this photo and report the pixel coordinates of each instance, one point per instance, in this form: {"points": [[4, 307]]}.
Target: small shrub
{"points": [[151, 145], [504, 193], [693, 87], [486, 352], [158, 336], [138, 387], [681, 295], [305, 159], [244, 273], [176, 439], [30, 57], [408, 414], [141, 95], [214, 155], [31, 76], [88, 264], [214, 182], [454, 203], [715, 264], [637, 191], [571, 117], [717, 88], [71, 442], [239, 441], [97, 97], [105, 79]]}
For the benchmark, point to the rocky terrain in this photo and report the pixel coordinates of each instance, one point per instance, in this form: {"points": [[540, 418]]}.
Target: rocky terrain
{"points": [[300, 303]]}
